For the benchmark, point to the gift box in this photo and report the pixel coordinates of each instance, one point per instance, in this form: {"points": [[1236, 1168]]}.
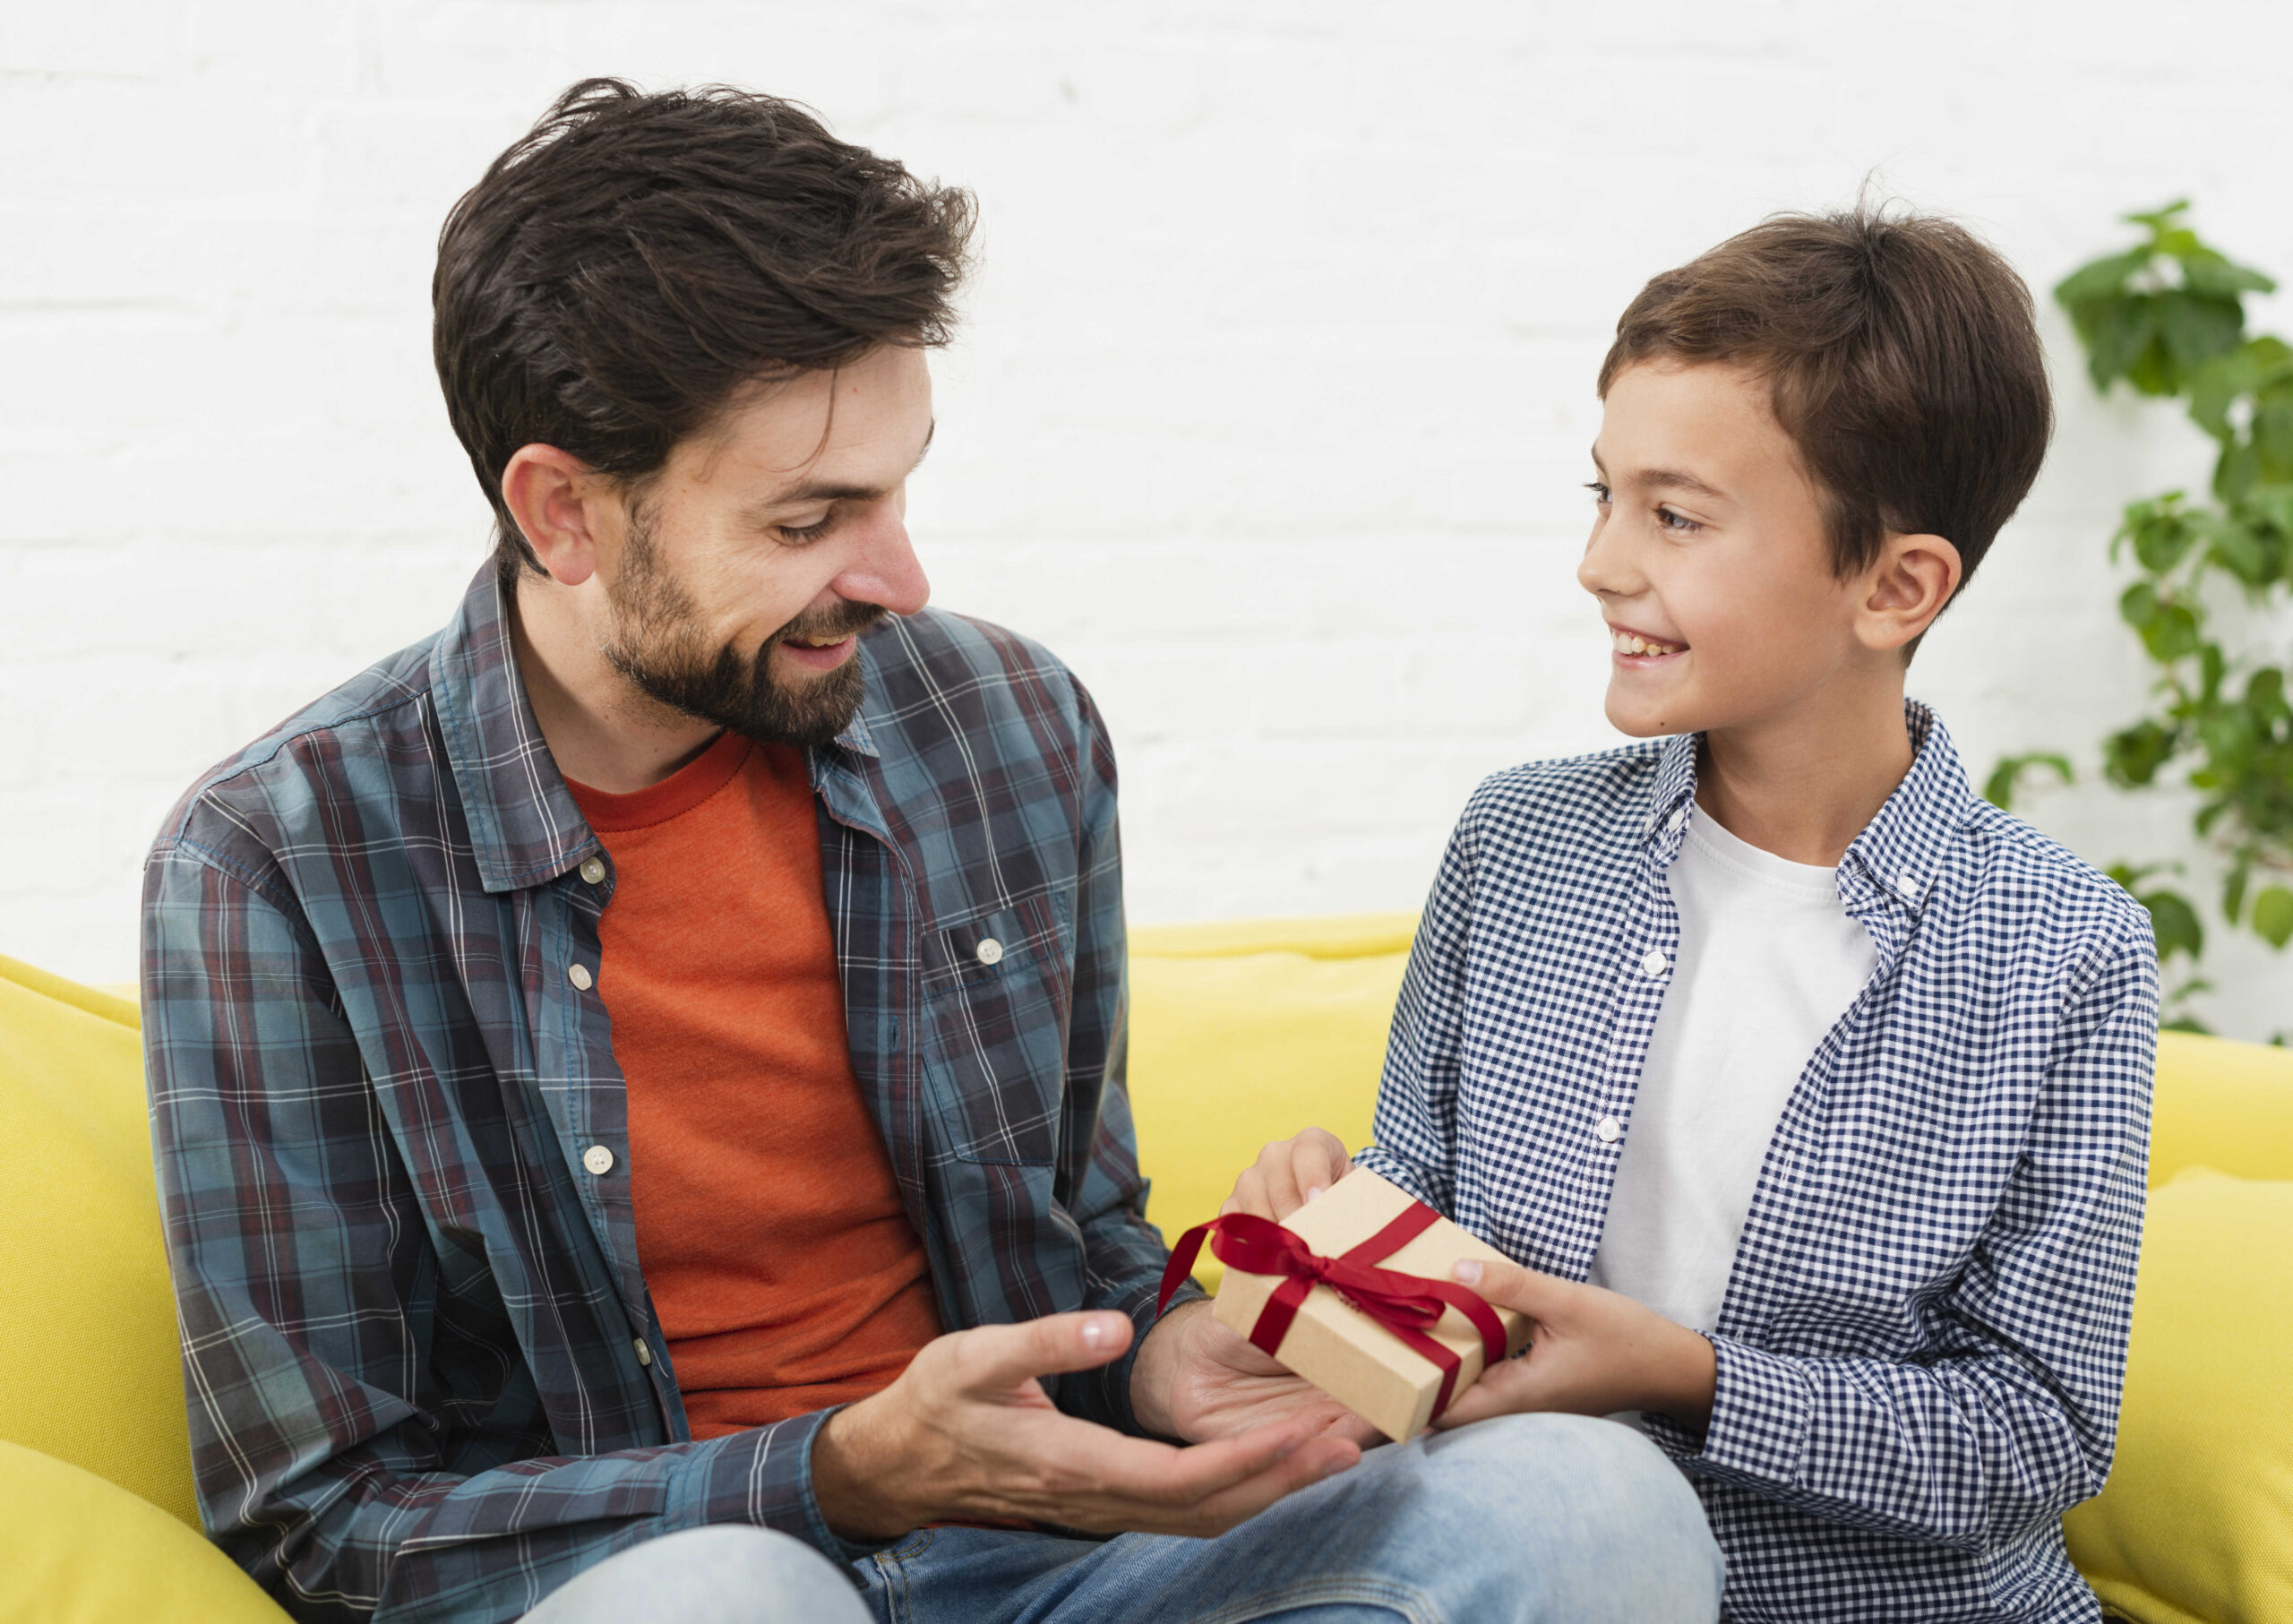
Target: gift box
{"points": [[1353, 1292]]}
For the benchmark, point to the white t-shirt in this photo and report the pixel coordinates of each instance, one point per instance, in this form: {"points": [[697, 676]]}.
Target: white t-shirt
{"points": [[1768, 962]]}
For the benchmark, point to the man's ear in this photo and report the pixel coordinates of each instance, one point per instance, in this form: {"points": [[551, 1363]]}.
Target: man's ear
{"points": [[551, 494], [1904, 589]]}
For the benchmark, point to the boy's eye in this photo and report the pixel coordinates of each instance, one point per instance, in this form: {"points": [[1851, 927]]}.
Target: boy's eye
{"points": [[1679, 522], [1600, 492]]}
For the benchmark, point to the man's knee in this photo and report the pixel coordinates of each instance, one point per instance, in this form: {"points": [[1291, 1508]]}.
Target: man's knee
{"points": [[725, 1575]]}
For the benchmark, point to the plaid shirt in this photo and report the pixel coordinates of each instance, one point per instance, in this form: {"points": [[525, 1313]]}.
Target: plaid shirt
{"points": [[1923, 1339], [424, 1375]]}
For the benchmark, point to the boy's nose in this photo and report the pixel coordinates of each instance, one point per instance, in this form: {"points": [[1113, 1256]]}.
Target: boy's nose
{"points": [[1606, 569]]}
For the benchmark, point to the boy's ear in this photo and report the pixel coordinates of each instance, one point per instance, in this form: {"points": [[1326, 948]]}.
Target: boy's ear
{"points": [[1904, 589]]}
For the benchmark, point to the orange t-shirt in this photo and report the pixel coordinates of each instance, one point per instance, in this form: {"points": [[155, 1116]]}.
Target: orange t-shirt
{"points": [[783, 1266]]}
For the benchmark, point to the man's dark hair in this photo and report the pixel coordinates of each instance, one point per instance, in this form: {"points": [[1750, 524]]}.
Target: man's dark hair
{"points": [[1902, 357], [635, 261]]}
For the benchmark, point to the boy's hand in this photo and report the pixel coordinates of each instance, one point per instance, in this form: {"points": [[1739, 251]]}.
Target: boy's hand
{"points": [[1289, 1172], [1592, 1353]]}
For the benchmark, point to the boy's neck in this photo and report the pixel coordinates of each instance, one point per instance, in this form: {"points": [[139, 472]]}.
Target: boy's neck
{"points": [[1803, 787]]}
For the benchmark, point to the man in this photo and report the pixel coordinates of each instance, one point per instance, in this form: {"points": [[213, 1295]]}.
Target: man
{"points": [[637, 1077]]}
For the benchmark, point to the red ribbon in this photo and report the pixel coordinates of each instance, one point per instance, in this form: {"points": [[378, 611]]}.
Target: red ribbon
{"points": [[1407, 1305]]}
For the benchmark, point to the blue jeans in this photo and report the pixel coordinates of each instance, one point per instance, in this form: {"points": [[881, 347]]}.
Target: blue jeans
{"points": [[1556, 1518]]}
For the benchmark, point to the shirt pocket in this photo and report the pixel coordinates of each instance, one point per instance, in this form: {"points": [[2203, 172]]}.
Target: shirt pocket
{"points": [[998, 991]]}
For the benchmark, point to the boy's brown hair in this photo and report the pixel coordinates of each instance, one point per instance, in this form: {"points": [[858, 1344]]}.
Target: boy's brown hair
{"points": [[1902, 356]]}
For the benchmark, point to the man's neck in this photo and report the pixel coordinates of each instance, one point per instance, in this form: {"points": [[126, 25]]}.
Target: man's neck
{"points": [[1805, 785], [603, 730]]}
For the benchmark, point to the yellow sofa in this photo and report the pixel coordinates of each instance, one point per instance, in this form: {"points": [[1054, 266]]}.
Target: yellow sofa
{"points": [[1240, 1033]]}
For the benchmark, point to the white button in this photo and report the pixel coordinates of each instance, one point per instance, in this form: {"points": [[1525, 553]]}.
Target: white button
{"points": [[598, 1159], [579, 975], [1908, 884], [1678, 816], [1652, 962], [644, 1353], [990, 951], [594, 870], [1608, 1131]]}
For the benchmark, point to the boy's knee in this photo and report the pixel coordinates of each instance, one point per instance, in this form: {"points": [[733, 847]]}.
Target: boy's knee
{"points": [[729, 1574], [1597, 1488]]}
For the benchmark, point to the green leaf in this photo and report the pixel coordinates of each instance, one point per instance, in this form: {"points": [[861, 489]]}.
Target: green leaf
{"points": [[2211, 274], [2132, 757], [2196, 330], [2161, 220], [2101, 278], [2233, 891], [2137, 606], [2118, 333], [1998, 789], [2273, 916], [2172, 634], [2243, 553], [2175, 923]]}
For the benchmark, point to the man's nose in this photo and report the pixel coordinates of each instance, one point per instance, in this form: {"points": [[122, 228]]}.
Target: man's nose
{"points": [[884, 568]]}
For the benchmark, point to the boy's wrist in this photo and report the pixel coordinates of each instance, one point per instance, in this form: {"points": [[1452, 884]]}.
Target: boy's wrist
{"points": [[1687, 1379]]}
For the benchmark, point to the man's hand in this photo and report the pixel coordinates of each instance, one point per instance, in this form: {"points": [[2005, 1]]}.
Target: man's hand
{"points": [[1288, 1173], [967, 1432], [1592, 1351], [1196, 1380]]}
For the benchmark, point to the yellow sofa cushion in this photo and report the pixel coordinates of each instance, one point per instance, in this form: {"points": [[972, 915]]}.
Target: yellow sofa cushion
{"points": [[2195, 1525], [1245, 1033], [77, 1550], [2224, 1105], [89, 1371]]}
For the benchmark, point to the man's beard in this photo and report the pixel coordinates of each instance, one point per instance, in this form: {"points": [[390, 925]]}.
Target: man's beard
{"points": [[656, 643]]}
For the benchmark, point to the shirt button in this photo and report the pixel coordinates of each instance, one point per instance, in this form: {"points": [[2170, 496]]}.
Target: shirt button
{"points": [[990, 951], [594, 870], [1608, 1131], [1652, 962], [644, 1353], [579, 975], [598, 1159], [1908, 884], [1678, 816]]}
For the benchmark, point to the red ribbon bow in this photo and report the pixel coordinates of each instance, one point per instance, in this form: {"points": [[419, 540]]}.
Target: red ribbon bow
{"points": [[1407, 1305]]}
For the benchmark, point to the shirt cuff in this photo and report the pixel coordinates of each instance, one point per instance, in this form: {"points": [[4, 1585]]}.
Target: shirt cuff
{"points": [[1763, 1406], [761, 1476]]}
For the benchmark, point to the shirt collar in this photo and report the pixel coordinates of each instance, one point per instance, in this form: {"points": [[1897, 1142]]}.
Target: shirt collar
{"points": [[524, 827], [1899, 852]]}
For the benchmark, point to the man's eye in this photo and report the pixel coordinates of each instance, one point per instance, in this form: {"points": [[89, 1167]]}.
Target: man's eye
{"points": [[1600, 492], [801, 533]]}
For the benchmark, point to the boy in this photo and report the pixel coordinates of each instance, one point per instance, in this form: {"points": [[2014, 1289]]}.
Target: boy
{"points": [[1809, 1092]]}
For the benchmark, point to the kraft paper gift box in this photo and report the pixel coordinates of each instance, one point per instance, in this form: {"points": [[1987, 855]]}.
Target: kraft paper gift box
{"points": [[1363, 1363]]}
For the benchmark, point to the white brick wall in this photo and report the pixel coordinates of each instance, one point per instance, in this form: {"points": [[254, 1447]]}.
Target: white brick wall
{"points": [[1270, 414]]}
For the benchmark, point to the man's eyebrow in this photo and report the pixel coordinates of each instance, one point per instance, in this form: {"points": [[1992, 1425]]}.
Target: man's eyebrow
{"points": [[827, 492]]}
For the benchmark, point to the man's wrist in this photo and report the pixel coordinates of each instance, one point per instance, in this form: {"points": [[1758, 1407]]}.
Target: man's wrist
{"points": [[854, 1477], [1154, 1372]]}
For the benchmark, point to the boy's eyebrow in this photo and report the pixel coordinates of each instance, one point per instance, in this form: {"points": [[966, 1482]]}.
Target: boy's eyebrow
{"points": [[1665, 479], [850, 492]]}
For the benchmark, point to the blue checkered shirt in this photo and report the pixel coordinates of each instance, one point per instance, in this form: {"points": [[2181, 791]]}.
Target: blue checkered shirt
{"points": [[425, 1374], [1923, 1339]]}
